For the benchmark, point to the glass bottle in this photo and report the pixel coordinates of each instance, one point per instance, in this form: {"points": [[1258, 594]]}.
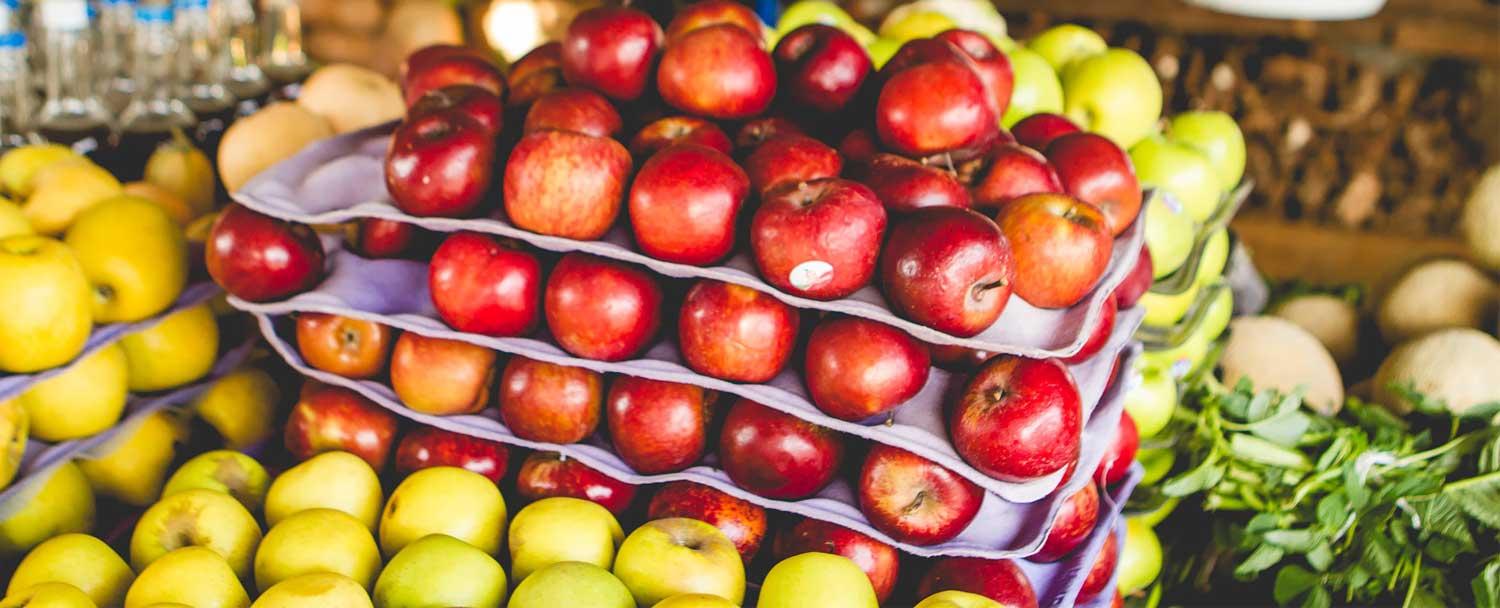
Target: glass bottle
{"points": [[72, 113], [247, 82], [154, 111], [16, 94], [282, 56], [203, 65], [115, 24]]}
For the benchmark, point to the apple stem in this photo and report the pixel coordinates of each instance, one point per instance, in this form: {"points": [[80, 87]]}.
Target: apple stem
{"points": [[996, 394], [916, 502], [979, 290]]}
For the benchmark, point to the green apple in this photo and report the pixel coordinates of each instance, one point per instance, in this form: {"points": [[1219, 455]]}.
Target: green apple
{"points": [[1152, 402], [48, 595], [315, 590], [881, 51], [331, 480], [1217, 316], [197, 518], [241, 406], [439, 570], [1216, 135], [14, 431], [56, 502], [1140, 557], [957, 599], [1036, 89], [192, 576], [902, 26], [444, 500], [562, 529], [1158, 513], [1061, 45], [12, 221], [47, 302], [695, 600], [1115, 94], [133, 254], [802, 13], [572, 584], [233, 473], [817, 579], [177, 350], [132, 465], [84, 399], [1214, 257], [1180, 170], [677, 555], [317, 540], [974, 15], [79, 560], [1166, 309], [1169, 235], [1157, 462]]}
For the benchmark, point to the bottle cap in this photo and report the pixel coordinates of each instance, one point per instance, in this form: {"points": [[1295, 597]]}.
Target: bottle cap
{"points": [[65, 14], [12, 40], [191, 4], [153, 13]]}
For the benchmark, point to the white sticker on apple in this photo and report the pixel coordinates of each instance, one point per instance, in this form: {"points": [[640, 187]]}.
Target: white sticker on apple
{"points": [[810, 274]]}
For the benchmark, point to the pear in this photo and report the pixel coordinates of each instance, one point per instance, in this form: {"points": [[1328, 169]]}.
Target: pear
{"points": [[48, 595], [274, 133], [331, 480], [317, 540], [192, 576], [197, 517], [14, 429], [79, 560], [19, 167], [315, 590], [241, 406], [439, 570], [132, 465], [56, 502], [65, 189], [444, 500], [227, 471], [178, 167]]}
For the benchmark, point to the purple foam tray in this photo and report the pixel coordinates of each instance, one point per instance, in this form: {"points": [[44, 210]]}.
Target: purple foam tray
{"points": [[1057, 584], [41, 457], [343, 178], [12, 385]]}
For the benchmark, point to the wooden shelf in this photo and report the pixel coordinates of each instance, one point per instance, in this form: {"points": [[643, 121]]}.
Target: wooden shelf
{"points": [[1328, 255]]}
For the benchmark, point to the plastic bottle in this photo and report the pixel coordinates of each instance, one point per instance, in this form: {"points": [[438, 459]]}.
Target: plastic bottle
{"points": [[282, 56], [71, 113], [155, 110], [247, 82], [115, 28], [203, 65], [17, 98]]}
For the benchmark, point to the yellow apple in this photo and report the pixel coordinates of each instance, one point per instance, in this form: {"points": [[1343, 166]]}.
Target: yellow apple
{"points": [[817, 579], [439, 570], [132, 465], [331, 480], [677, 555], [176, 351], [695, 600], [178, 167], [65, 189], [1115, 94], [192, 576], [562, 529], [1061, 45], [241, 406], [84, 399], [47, 303], [197, 518], [12, 221], [902, 25], [958, 599], [1166, 309], [444, 500], [19, 167], [133, 254], [315, 590], [179, 210], [59, 501], [571, 584], [227, 471], [13, 434], [317, 540], [79, 560], [48, 595]]}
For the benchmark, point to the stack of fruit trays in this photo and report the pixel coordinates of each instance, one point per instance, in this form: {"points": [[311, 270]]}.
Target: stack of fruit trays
{"points": [[872, 350]]}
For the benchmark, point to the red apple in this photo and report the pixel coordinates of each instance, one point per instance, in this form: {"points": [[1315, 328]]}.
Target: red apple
{"points": [[742, 521], [259, 258], [484, 286], [439, 164], [757, 131], [573, 109], [678, 130], [789, 159], [566, 184], [429, 446], [330, 418], [818, 239], [913, 499], [439, 376], [935, 107], [735, 333], [1130, 290], [475, 101], [1094, 169], [905, 185], [859, 147], [880, 562], [918, 51], [1061, 247], [856, 368], [1102, 569], [821, 67], [1038, 130], [958, 358], [698, 15], [352, 348], [611, 50], [548, 474], [1071, 526], [1018, 419], [657, 426], [1120, 453], [719, 71], [1013, 171], [998, 579], [548, 402], [439, 66], [1099, 337], [535, 74], [993, 66], [777, 455], [602, 309], [434, 54], [950, 269], [684, 203], [381, 238]]}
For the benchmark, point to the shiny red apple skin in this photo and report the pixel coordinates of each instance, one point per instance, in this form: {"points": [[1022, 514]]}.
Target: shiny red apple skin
{"points": [[735, 333], [719, 71], [433, 54], [611, 50], [993, 66], [259, 258], [913, 499], [543, 401], [382, 239], [1099, 336], [818, 239], [859, 147], [474, 101], [1120, 454], [949, 269], [697, 15], [484, 286], [918, 51], [440, 164], [426, 74], [429, 446], [1102, 569], [1071, 526], [330, 418], [535, 74], [879, 561], [934, 107], [684, 204], [602, 309], [566, 184], [1038, 130], [664, 132], [904, 185], [777, 455], [352, 348], [856, 369], [1095, 170], [757, 131], [439, 376], [548, 474], [998, 579], [820, 67], [573, 109], [789, 159], [1018, 419], [742, 521], [657, 426], [958, 358], [1135, 284], [1061, 247], [1014, 171]]}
